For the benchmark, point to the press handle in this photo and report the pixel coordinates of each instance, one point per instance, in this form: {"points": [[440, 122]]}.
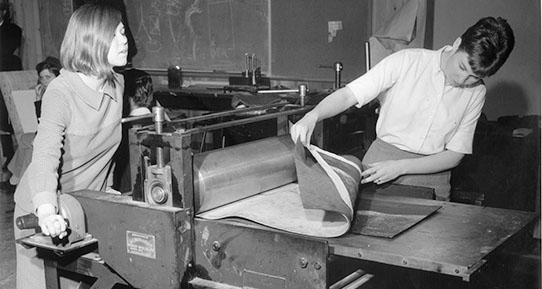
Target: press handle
{"points": [[29, 221]]}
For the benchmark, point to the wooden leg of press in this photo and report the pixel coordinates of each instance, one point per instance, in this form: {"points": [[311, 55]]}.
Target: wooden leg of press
{"points": [[92, 265], [51, 274], [105, 282]]}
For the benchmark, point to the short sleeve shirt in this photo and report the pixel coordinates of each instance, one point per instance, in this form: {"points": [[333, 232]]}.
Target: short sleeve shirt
{"points": [[419, 113]]}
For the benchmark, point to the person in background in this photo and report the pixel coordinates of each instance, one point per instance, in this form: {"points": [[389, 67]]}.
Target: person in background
{"points": [[138, 92], [431, 103], [79, 129], [47, 70], [138, 99], [10, 41]]}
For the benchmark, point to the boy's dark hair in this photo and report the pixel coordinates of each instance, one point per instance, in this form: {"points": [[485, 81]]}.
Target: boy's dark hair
{"points": [[138, 86], [488, 44], [51, 63]]}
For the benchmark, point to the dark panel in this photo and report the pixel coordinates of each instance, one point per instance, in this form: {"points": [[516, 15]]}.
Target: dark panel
{"points": [[300, 37], [206, 34]]}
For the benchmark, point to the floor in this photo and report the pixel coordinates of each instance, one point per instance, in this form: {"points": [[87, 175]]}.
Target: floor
{"points": [[7, 243]]}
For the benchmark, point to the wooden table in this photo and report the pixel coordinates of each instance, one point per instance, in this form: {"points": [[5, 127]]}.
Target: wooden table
{"points": [[456, 240]]}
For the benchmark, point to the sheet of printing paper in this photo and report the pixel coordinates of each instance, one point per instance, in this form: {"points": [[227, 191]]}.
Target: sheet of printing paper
{"points": [[320, 204]]}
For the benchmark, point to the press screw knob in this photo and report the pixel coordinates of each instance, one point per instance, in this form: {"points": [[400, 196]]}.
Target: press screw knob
{"points": [[303, 263], [216, 245]]}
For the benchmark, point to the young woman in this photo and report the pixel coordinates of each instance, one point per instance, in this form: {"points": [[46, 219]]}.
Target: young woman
{"points": [[79, 129]]}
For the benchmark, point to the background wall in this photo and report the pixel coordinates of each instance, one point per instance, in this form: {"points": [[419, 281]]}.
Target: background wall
{"points": [[299, 41], [515, 88], [290, 38], [54, 17], [26, 15]]}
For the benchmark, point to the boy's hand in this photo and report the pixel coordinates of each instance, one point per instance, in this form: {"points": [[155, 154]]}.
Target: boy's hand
{"points": [[382, 172], [303, 129]]}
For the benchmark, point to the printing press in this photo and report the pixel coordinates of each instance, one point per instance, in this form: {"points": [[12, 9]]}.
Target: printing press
{"points": [[154, 239]]}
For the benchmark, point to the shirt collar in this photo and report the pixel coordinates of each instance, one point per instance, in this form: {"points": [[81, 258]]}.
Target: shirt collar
{"points": [[438, 61], [90, 96]]}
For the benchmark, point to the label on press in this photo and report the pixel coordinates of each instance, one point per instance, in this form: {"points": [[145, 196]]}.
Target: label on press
{"points": [[140, 244]]}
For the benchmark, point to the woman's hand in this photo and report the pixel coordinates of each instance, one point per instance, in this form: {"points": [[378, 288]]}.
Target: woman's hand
{"points": [[303, 129], [50, 222], [383, 172]]}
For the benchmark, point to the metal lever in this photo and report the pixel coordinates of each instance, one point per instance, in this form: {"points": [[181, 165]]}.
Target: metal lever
{"points": [[157, 182], [337, 67], [253, 66], [135, 118], [159, 117], [302, 90]]}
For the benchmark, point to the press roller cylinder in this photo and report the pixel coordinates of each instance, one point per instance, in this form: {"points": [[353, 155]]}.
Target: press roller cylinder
{"points": [[236, 172]]}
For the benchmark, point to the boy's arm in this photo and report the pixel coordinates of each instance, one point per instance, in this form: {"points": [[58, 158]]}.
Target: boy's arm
{"points": [[386, 171], [332, 105]]}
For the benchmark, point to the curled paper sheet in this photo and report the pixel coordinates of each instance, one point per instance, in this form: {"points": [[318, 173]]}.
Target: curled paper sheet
{"points": [[320, 204]]}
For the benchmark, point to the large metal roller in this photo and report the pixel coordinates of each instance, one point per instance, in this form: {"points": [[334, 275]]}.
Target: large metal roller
{"points": [[236, 172]]}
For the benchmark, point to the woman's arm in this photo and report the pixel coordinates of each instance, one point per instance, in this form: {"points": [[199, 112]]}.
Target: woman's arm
{"points": [[47, 152]]}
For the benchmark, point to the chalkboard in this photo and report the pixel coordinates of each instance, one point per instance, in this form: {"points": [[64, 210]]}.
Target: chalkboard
{"points": [[194, 34], [199, 34], [216, 34]]}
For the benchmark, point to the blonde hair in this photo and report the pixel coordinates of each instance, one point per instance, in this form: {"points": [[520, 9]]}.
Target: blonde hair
{"points": [[87, 40]]}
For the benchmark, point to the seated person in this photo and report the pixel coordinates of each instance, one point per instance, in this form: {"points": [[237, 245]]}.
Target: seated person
{"points": [[47, 70], [138, 92], [10, 40], [138, 99]]}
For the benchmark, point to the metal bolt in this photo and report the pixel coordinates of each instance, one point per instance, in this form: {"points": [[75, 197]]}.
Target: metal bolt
{"points": [[302, 93], [303, 263], [317, 266], [405, 262], [216, 245]]}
